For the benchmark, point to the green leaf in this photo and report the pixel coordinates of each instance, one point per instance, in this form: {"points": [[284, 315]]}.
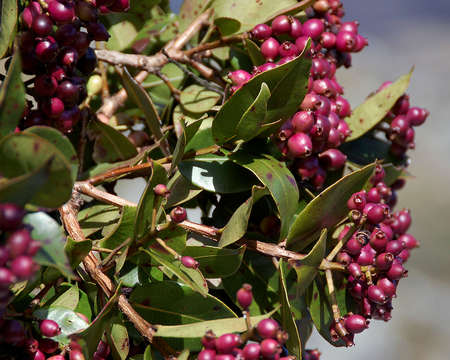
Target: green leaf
{"points": [[249, 13], [215, 262], [122, 230], [97, 217], [118, 336], [366, 150], [326, 209], [253, 118], [148, 353], [191, 9], [308, 267], [190, 277], [278, 179], [181, 190], [77, 250], [157, 89], [227, 26], [123, 30], [254, 52], [184, 355], [293, 343], [8, 16], [137, 93], [197, 99], [24, 152], [110, 145], [48, 232], [287, 84], [236, 227], [367, 115], [149, 202], [188, 132], [21, 189], [68, 300], [203, 138], [69, 322], [219, 327], [61, 142], [12, 90], [216, 174]]}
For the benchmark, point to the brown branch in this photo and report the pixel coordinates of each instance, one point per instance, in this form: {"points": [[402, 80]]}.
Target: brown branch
{"points": [[95, 180], [216, 44], [86, 188]]}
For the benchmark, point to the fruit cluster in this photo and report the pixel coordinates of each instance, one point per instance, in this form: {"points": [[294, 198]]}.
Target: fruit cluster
{"points": [[17, 249], [313, 134], [399, 123], [375, 253], [55, 48]]}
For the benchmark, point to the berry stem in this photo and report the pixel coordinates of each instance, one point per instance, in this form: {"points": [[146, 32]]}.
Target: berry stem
{"points": [[341, 243], [331, 291], [168, 248], [86, 188], [106, 261]]}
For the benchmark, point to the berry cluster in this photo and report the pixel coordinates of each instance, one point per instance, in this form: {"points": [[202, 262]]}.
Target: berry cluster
{"points": [[375, 254], [55, 47], [17, 249], [400, 122], [311, 137]]}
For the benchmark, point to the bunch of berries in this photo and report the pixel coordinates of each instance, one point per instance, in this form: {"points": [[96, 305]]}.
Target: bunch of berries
{"points": [[375, 254], [17, 249], [313, 134], [399, 123], [55, 48]]}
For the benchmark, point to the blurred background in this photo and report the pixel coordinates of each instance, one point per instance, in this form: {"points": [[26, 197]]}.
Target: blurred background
{"points": [[403, 33]]}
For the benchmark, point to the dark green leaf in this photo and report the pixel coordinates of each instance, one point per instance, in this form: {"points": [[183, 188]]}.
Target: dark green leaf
{"points": [[77, 250], [203, 138], [237, 225], [367, 115], [254, 52], [216, 174], [215, 262], [366, 150], [181, 190], [293, 343], [197, 99], [227, 26], [12, 90], [122, 230], [24, 152], [97, 217], [118, 336], [278, 179], [8, 16], [48, 232], [326, 209], [149, 202], [110, 144], [188, 132], [308, 267]]}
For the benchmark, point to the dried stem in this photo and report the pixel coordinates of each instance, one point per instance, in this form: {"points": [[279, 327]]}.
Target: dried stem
{"points": [[86, 188], [166, 247], [106, 261], [216, 44], [343, 241], [332, 292]]}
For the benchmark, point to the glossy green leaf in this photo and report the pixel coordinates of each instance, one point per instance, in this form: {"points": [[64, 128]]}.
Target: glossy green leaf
{"points": [[149, 202], [181, 190], [110, 144], [119, 342], [326, 209], [8, 16], [215, 262], [23, 153], [68, 300], [367, 115], [219, 327], [123, 29], [253, 118], [237, 225], [122, 230], [308, 267], [51, 236], [287, 84], [197, 99], [188, 132], [61, 142], [97, 217], [293, 343], [12, 90], [227, 26], [191, 277], [278, 179], [216, 174], [254, 52], [203, 137], [77, 250], [138, 94]]}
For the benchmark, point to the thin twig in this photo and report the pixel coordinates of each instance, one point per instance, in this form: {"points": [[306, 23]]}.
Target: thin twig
{"points": [[86, 188], [106, 261]]}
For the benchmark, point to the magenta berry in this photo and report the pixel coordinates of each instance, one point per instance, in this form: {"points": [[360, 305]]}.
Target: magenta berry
{"points": [[178, 214], [61, 12], [252, 351], [376, 295], [226, 343], [300, 145], [39, 355], [244, 296], [267, 328], [303, 121], [313, 28], [356, 324], [281, 25], [416, 116], [387, 286], [357, 201], [270, 348], [239, 77], [355, 270], [408, 241], [384, 261], [262, 32], [209, 340], [23, 267], [161, 190], [207, 354], [288, 49], [332, 159], [49, 328], [396, 271], [42, 25], [270, 48], [6, 277], [378, 240], [189, 262], [296, 28], [18, 242], [48, 346]]}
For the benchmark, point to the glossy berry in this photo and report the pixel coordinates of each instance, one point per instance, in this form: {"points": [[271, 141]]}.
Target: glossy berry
{"points": [[267, 328], [396, 272], [408, 241], [161, 190], [207, 354], [375, 213], [42, 25], [208, 340], [244, 296], [189, 262], [239, 77], [48, 346], [18, 242], [6, 277], [296, 28], [261, 31], [270, 348], [98, 31], [288, 49], [355, 270], [332, 159], [38, 355], [387, 286], [313, 28], [23, 267], [378, 240], [178, 214], [45, 85], [252, 351], [11, 216], [356, 324], [61, 12], [46, 49], [357, 201], [66, 34], [376, 295], [300, 145], [49, 328], [226, 343], [68, 92], [53, 108], [384, 261], [270, 48], [303, 121]]}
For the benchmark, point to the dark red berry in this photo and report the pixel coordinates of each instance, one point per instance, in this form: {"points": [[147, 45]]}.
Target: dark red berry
{"points": [[300, 145], [6, 277], [45, 85], [332, 159], [88, 62], [103, 349], [14, 332], [49, 328], [23, 267], [98, 31], [207, 354], [85, 11], [68, 92], [46, 49], [261, 31], [48, 346], [120, 5], [209, 340], [11, 216], [53, 108], [30, 13], [18, 242], [378, 240], [408, 241], [61, 12], [270, 348], [42, 25], [376, 295], [226, 343], [252, 351], [178, 214], [244, 296], [355, 270], [357, 201], [396, 272], [268, 328]]}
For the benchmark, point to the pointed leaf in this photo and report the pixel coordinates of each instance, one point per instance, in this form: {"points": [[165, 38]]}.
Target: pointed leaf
{"points": [[188, 132], [278, 179], [12, 90], [48, 232], [227, 26], [77, 250], [122, 230], [308, 267], [68, 300], [97, 217], [367, 115], [181, 190], [8, 16], [254, 52], [326, 209], [118, 336], [293, 343], [366, 150], [237, 225]]}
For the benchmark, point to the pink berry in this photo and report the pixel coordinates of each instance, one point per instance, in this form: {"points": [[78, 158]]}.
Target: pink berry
{"points": [[300, 145], [356, 324], [207, 354], [261, 31], [270, 48], [268, 328], [178, 214], [226, 343], [252, 351], [49, 328], [313, 28], [270, 348], [244, 296]]}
